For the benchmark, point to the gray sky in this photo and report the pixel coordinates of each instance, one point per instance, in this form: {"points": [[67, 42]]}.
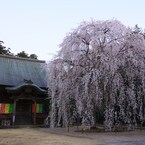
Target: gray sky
{"points": [[39, 26]]}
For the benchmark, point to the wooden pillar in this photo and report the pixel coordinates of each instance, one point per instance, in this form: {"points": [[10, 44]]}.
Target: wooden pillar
{"points": [[14, 112], [34, 122]]}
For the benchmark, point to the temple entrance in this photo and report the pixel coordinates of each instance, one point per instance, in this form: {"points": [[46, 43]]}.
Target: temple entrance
{"points": [[28, 100], [23, 112]]}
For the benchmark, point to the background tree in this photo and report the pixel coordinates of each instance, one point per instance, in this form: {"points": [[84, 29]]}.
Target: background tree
{"points": [[99, 73], [22, 54], [139, 30], [25, 55], [4, 50], [33, 56]]}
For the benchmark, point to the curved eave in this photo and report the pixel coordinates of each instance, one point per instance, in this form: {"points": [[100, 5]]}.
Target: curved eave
{"points": [[21, 87]]}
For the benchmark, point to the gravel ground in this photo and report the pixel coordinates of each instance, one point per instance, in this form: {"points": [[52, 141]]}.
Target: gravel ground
{"points": [[130, 143], [136, 137], [31, 136], [60, 136]]}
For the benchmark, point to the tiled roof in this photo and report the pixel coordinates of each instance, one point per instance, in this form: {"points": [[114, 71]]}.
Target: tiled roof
{"points": [[14, 70]]}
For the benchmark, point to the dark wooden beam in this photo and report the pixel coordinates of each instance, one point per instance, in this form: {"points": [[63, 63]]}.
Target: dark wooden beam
{"points": [[34, 122]]}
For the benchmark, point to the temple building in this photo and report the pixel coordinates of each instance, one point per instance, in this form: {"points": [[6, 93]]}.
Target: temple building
{"points": [[23, 91]]}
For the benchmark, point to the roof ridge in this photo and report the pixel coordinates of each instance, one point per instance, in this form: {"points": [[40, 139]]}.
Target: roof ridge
{"points": [[22, 58]]}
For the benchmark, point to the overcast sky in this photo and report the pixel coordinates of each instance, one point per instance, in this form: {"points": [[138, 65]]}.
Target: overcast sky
{"points": [[39, 26]]}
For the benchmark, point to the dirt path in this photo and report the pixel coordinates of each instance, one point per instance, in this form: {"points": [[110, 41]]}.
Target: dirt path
{"points": [[30, 136]]}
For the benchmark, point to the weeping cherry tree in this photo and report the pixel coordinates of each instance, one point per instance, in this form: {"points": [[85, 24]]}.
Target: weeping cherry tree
{"points": [[99, 74]]}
